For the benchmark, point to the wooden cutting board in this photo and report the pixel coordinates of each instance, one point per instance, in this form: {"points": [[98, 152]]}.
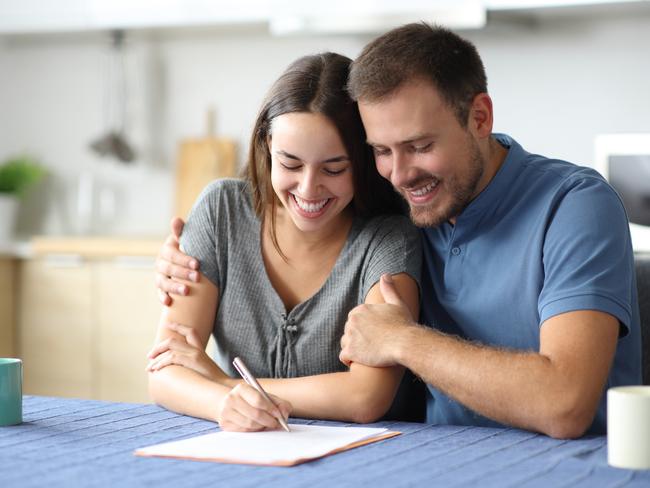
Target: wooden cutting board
{"points": [[201, 161]]}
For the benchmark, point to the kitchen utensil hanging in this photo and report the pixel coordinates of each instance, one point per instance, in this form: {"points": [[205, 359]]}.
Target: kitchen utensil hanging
{"points": [[114, 142]]}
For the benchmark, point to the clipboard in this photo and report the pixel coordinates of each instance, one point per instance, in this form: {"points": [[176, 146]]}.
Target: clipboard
{"points": [[269, 448]]}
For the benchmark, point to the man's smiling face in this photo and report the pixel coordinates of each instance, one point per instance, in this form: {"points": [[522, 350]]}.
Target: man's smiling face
{"points": [[421, 148]]}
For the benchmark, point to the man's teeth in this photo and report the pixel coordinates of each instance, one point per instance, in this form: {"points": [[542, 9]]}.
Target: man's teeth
{"points": [[425, 189], [310, 206]]}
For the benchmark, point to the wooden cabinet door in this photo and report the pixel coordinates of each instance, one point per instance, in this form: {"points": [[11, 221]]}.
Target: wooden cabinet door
{"points": [[127, 317], [7, 323], [55, 317]]}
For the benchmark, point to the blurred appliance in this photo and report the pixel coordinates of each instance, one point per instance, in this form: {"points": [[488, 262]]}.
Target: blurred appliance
{"points": [[624, 159]]}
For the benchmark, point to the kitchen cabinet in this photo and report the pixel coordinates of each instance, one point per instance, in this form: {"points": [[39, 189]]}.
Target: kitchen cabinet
{"points": [[7, 322], [127, 310], [87, 321], [56, 327]]}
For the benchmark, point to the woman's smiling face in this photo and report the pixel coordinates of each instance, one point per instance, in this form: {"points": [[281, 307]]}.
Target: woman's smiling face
{"points": [[311, 172]]}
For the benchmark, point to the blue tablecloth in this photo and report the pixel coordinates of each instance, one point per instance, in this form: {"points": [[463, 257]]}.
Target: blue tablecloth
{"points": [[67, 443]]}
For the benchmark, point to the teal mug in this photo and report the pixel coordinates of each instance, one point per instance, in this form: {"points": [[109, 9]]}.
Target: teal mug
{"points": [[11, 391]]}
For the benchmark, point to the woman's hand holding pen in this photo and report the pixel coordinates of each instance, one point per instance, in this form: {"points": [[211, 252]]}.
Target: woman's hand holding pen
{"points": [[186, 351], [244, 409]]}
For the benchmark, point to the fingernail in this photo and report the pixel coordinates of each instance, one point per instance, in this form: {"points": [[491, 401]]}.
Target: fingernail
{"points": [[194, 265], [388, 278], [194, 276], [182, 289]]}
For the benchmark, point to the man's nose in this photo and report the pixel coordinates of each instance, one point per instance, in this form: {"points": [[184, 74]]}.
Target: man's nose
{"points": [[399, 169]]}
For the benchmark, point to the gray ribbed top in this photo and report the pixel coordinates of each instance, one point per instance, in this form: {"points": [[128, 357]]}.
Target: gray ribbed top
{"points": [[223, 233]]}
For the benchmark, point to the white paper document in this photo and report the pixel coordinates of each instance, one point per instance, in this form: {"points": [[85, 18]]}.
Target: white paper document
{"points": [[274, 448]]}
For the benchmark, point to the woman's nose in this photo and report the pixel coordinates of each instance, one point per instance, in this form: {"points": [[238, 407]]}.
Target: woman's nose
{"points": [[309, 183]]}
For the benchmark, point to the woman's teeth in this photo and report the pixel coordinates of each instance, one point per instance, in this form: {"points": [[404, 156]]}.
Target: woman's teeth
{"points": [[311, 207], [425, 189]]}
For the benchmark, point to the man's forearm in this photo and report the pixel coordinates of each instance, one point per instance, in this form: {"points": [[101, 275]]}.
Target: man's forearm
{"points": [[522, 389]]}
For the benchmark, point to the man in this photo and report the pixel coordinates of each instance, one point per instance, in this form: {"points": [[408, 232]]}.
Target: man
{"points": [[529, 306]]}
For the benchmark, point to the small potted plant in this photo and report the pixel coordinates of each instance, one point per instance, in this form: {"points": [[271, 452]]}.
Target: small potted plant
{"points": [[17, 175]]}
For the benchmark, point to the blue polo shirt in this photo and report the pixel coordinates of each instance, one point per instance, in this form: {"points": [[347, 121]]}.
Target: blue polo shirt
{"points": [[545, 237]]}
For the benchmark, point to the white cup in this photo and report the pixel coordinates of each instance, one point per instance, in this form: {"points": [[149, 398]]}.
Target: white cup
{"points": [[628, 427]]}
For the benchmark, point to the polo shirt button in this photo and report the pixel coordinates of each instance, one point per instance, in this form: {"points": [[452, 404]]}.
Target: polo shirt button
{"points": [[455, 251]]}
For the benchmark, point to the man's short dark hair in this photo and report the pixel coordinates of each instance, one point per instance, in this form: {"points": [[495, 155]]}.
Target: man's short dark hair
{"points": [[420, 51]]}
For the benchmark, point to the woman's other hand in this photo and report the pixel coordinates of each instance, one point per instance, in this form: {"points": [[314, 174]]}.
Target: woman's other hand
{"points": [[244, 409], [173, 263], [186, 350]]}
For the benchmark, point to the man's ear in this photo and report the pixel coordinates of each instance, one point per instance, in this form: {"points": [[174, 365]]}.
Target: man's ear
{"points": [[481, 116]]}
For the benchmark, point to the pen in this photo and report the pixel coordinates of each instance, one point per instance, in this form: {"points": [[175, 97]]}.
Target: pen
{"points": [[250, 379]]}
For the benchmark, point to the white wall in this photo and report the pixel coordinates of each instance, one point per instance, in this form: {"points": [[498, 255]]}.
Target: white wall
{"points": [[555, 86]]}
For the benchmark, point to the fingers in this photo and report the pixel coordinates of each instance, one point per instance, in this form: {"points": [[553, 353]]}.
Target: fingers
{"points": [[166, 267], [189, 333], [171, 245], [159, 348], [245, 409], [177, 225], [164, 298], [233, 421], [388, 290], [171, 253], [169, 357], [257, 401], [167, 285], [163, 360], [170, 343], [344, 358]]}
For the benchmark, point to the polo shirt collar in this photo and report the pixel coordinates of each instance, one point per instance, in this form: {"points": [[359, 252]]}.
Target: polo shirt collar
{"points": [[502, 181]]}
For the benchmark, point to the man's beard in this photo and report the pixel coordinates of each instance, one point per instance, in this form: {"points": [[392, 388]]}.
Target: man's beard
{"points": [[462, 190]]}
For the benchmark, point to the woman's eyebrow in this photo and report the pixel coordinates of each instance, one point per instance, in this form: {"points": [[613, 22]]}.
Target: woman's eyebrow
{"points": [[335, 159], [287, 155]]}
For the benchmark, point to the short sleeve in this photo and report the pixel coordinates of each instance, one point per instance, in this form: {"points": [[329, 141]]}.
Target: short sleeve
{"points": [[395, 248], [588, 258], [199, 234]]}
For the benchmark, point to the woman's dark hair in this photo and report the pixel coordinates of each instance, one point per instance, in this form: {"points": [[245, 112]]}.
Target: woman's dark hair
{"points": [[420, 51], [317, 84]]}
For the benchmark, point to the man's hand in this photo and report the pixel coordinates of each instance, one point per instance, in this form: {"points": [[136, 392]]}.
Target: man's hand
{"points": [[172, 263], [371, 331]]}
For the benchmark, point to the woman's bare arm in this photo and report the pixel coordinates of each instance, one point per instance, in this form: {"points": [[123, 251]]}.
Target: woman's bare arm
{"points": [[363, 394]]}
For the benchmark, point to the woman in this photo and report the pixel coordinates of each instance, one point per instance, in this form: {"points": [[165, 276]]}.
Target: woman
{"points": [[285, 254]]}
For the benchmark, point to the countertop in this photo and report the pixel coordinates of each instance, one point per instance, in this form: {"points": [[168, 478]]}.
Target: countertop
{"points": [[84, 246]]}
